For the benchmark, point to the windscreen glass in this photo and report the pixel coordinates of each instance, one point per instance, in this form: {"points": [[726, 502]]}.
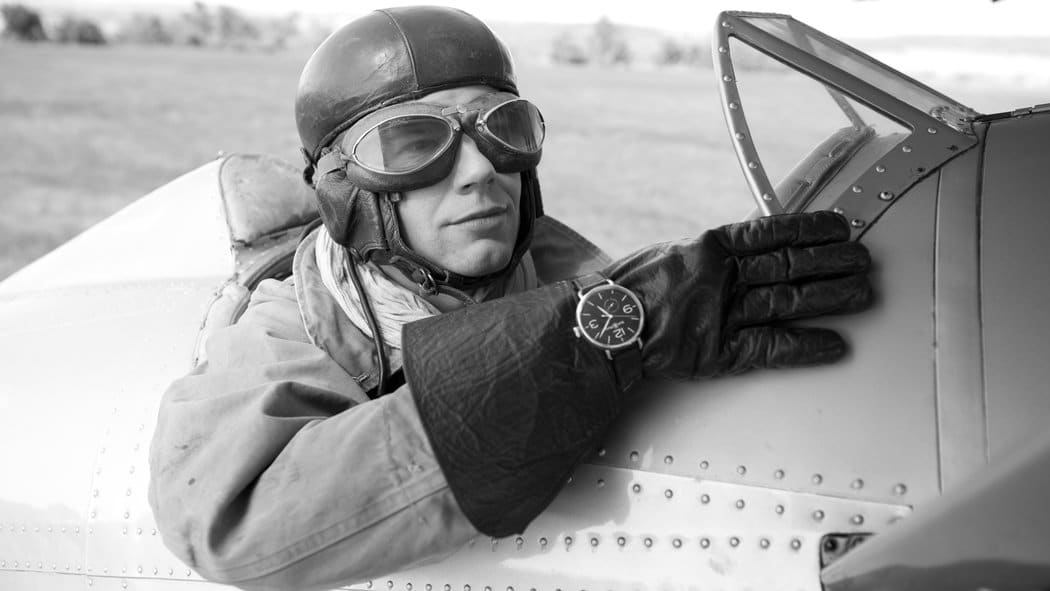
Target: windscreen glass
{"points": [[802, 129]]}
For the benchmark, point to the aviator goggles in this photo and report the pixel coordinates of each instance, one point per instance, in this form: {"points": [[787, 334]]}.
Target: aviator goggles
{"points": [[414, 145]]}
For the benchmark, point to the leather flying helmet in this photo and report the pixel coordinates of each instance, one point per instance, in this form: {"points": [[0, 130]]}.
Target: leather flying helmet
{"points": [[388, 57]]}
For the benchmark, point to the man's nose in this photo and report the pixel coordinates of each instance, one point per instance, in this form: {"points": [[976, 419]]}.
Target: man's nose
{"points": [[472, 169]]}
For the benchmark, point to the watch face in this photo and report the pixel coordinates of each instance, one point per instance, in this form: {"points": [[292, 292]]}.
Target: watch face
{"points": [[610, 316]]}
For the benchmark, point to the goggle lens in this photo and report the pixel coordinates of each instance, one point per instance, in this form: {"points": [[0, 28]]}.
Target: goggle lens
{"points": [[403, 144], [517, 124]]}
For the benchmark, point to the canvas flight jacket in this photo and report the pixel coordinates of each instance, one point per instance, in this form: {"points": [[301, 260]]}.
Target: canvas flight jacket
{"points": [[271, 468]]}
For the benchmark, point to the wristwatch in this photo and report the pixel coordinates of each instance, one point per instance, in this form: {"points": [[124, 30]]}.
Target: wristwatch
{"points": [[610, 317]]}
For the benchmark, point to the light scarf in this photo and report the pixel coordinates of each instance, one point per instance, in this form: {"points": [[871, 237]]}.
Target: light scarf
{"points": [[393, 304]]}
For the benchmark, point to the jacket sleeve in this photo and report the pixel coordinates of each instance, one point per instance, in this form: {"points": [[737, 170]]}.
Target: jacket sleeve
{"points": [[270, 469]]}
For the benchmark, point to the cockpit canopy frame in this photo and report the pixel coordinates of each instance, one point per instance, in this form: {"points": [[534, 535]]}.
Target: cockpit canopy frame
{"points": [[940, 128]]}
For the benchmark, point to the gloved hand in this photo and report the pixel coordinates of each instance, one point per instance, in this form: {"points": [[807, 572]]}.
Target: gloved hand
{"points": [[511, 400], [714, 304]]}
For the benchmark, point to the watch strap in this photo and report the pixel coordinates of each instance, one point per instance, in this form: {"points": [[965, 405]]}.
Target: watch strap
{"points": [[627, 362], [585, 283]]}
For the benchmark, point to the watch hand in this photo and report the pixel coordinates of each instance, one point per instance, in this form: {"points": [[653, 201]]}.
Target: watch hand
{"points": [[606, 327]]}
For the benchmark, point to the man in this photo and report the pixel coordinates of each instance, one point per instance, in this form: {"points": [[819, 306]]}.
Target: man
{"points": [[444, 355]]}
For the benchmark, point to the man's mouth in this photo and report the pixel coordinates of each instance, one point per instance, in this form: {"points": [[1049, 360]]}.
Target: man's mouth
{"points": [[487, 213]]}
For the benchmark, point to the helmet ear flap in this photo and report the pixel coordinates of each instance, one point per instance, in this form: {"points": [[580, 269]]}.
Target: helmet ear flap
{"points": [[350, 214]]}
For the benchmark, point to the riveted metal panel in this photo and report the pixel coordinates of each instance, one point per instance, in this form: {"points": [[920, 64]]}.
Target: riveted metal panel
{"points": [[864, 428], [612, 528], [1015, 279], [992, 533], [118, 347]]}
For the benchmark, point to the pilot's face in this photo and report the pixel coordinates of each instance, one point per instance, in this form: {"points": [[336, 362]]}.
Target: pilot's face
{"points": [[468, 222]]}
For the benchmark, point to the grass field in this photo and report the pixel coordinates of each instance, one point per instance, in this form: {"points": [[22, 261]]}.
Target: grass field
{"points": [[632, 157]]}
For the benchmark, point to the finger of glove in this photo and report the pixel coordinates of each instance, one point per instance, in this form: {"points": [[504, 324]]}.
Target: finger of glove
{"points": [[773, 232], [786, 301], [795, 264], [770, 347]]}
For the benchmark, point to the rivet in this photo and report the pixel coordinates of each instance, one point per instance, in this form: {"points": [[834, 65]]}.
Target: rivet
{"points": [[857, 519], [50, 529], [727, 78], [466, 587], [94, 493], [725, 24], [838, 210], [906, 149], [767, 197], [448, 587], [740, 503], [676, 543], [857, 484], [818, 515], [634, 456], [76, 530], [127, 493], [621, 541], [90, 582], [739, 135], [722, 49], [189, 573], [857, 189], [568, 540], [734, 541], [428, 587], [153, 532], [127, 515], [880, 168], [704, 542], [123, 584], [138, 531], [636, 487], [704, 465], [900, 489], [155, 571], [601, 482], [931, 130], [594, 542], [543, 541], [519, 541], [779, 509], [778, 474], [705, 498], [668, 493], [733, 106], [487, 588], [601, 452], [389, 584], [857, 223], [886, 196], [796, 544], [16, 564], [125, 531], [648, 542], [668, 460], [140, 570], [763, 543], [741, 470], [171, 572], [752, 165], [817, 479]]}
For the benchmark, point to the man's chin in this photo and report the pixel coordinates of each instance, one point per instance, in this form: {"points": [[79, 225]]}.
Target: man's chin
{"points": [[483, 258]]}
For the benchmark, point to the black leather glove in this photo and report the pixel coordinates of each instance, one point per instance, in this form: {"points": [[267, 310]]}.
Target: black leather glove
{"points": [[713, 304], [511, 400]]}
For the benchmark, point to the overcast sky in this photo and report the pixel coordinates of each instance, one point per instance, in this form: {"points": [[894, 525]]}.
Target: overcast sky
{"points": [[843, 18]]}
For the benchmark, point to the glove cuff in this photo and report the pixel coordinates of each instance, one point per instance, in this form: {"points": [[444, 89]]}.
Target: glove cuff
{"points": [[511, 401]]}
